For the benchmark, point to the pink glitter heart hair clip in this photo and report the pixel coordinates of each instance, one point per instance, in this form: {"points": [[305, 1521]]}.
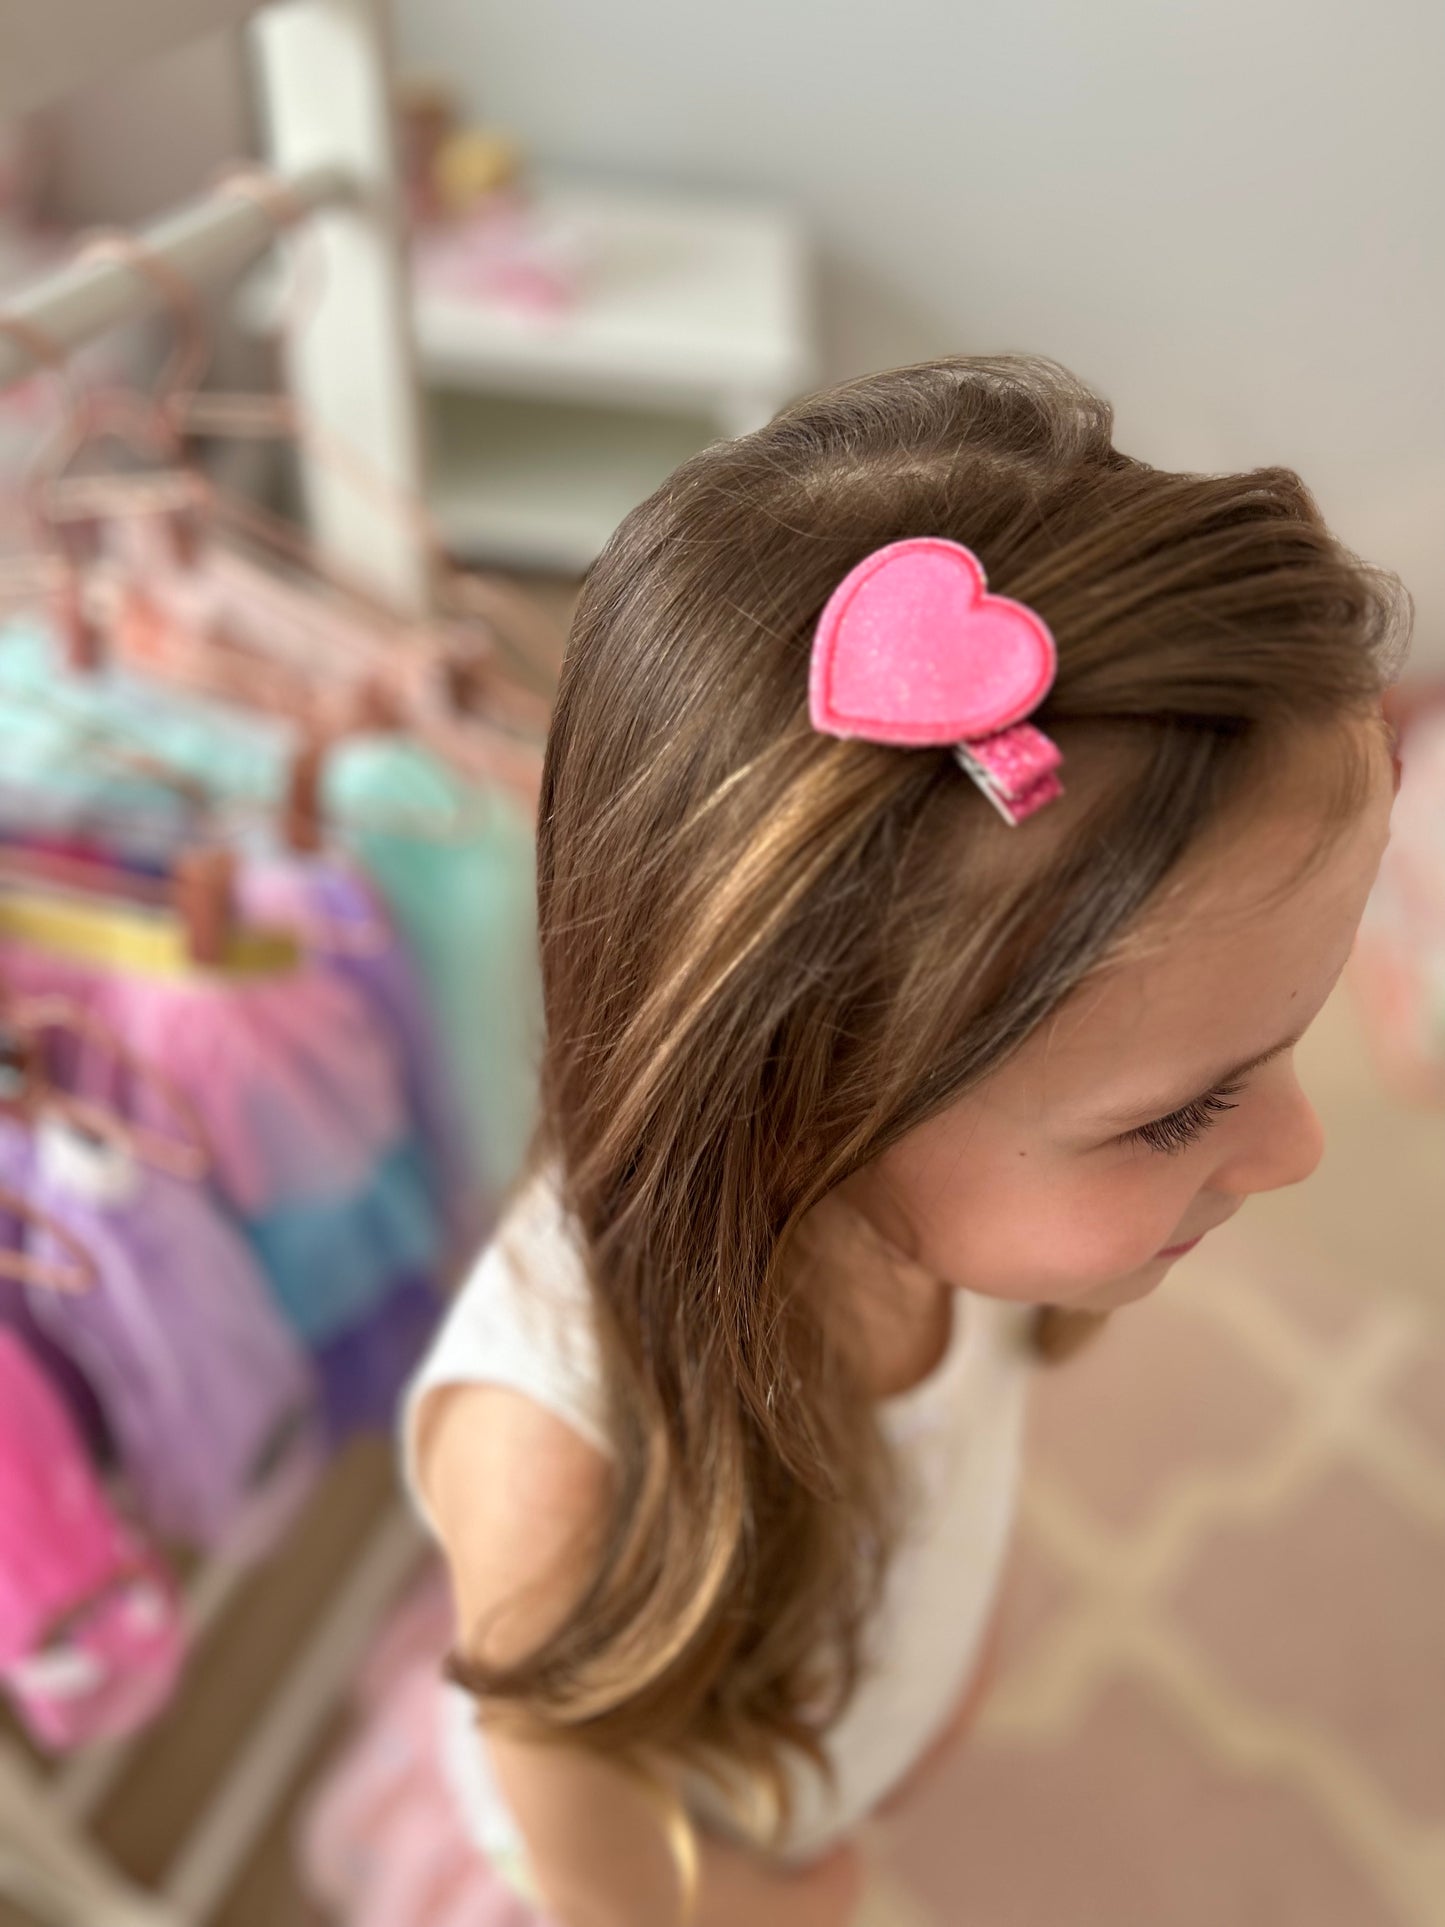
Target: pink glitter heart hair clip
{"points": [[911, 650]]}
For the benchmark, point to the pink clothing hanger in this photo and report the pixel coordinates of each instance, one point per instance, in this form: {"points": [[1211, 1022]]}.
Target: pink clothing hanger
{"points": [[76, 1276], [196, 610], [25, 1022]]}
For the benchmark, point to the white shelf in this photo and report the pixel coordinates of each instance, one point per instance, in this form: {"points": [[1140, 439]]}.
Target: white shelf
{"points": [[541, 485], [684, 303]]}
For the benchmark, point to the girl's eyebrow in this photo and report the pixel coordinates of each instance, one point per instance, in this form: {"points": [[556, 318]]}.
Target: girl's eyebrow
{"points": [[1165, 1107]]}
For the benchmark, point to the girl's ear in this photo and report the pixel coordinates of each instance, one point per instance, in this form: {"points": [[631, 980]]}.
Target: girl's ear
{"points": [[1059, 1333]]}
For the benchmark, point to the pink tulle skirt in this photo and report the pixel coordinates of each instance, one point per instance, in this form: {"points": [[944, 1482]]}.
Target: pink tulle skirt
{"points": [[298, 1088], [382, 1843]]}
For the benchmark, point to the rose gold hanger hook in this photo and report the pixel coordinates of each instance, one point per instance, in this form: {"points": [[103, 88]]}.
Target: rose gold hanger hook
{"points": [[183, 1153], [69, 600], [87, 413], [50, 358], [78, 1276], [43, 349], [192, 350]]}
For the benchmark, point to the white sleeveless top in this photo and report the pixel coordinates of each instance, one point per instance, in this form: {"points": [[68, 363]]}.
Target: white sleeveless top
{"points": [[523, 1320]]}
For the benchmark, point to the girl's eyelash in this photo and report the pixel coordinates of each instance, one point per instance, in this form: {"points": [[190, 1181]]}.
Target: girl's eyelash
{"points": [[1183, 1127]]}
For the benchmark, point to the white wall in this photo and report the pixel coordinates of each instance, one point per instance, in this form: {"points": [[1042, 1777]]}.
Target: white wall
{"points": [[1229, 214], [126, 147]]}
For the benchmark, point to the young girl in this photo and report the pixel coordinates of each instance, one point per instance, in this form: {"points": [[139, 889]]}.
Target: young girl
{"points": [[864, 1040]]}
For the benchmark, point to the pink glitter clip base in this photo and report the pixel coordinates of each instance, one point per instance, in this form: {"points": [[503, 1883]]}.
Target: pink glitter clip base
{"points": [[1016, 770]]}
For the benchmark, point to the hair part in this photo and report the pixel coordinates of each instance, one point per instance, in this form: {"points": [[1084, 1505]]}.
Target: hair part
{"points": [[768, 954]]}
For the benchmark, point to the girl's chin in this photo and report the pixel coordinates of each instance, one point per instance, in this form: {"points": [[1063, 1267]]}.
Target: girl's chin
{"points": [[1127, 1290]]}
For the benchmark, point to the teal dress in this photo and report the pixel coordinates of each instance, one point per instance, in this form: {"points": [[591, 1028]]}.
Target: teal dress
{"points": [[456, 866]]}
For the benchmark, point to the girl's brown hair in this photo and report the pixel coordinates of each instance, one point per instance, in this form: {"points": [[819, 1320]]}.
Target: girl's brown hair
{"points": [[767, 954]]}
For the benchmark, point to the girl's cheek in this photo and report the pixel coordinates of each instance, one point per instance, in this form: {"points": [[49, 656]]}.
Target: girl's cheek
{"points": [[1112, 1222], [1043, 1228], [1016, 1247]]}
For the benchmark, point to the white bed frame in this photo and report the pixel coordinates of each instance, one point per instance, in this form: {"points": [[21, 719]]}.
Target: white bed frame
{"points": [[322, 71]]}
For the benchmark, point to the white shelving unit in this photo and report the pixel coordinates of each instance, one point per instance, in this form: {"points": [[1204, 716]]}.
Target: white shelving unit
{"points": [[693, 321], [541, 485]]}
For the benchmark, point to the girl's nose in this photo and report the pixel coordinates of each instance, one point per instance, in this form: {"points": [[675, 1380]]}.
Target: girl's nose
{"points": [[1281, 1143]]}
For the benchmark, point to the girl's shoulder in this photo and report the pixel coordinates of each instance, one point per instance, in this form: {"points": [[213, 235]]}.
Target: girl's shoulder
{"points": [[515, 1498], [523, 1321], [504, 1435]]}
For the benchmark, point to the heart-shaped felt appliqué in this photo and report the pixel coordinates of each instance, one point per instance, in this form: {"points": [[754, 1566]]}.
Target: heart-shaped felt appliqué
{"points": [[912, 650]]}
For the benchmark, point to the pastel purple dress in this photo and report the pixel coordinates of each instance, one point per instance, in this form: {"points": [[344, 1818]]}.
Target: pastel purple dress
{"points": [[211, 1403]]}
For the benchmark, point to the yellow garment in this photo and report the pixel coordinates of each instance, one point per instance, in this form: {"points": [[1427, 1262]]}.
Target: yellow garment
{"points": [[123, 936]]}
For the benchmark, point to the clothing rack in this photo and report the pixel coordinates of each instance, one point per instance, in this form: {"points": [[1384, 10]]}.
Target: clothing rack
{"points": [[208, 241], [322, 70], [322, 74]]}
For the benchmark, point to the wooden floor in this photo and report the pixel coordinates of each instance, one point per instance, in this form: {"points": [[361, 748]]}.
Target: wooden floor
{"points": [[181, 1759]]}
